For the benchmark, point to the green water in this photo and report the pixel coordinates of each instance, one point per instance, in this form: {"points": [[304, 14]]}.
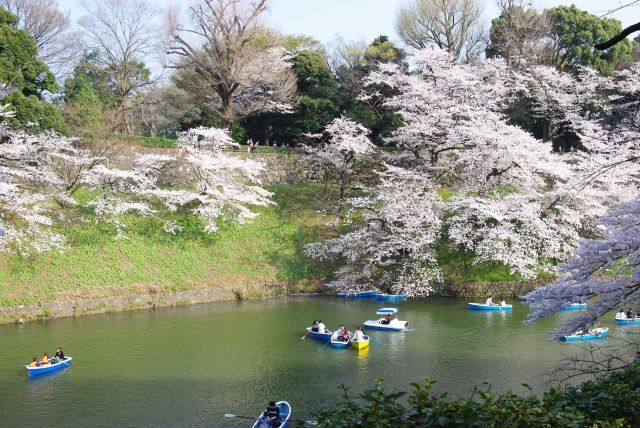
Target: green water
{"points": [[188, 366]]}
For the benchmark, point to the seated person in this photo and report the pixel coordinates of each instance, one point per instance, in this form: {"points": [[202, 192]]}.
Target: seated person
{"points": [[273, 413], [341, 330], [621, 314], [489, 301], [386, 320], [45, 359], [314, 326], [34, 363], [321, 327], [344, 336], [358, 335], [629, 314], [59, 355]]}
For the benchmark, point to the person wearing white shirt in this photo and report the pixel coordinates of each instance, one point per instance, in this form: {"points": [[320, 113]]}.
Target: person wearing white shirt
{"points": [[359, 335], [489, 301], [321, 327]]}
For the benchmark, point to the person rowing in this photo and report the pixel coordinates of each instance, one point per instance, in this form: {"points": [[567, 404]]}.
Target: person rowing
{"points": [[358, 336], [314, 326], [489, 301], [59, 355], [321, 327], [273, 413]]}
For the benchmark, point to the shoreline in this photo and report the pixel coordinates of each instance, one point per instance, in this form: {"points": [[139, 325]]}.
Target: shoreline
{"points": [[155, 298]]}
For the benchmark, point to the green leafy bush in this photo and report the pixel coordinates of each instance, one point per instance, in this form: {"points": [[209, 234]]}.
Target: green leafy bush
{"points": [[613, 401]]}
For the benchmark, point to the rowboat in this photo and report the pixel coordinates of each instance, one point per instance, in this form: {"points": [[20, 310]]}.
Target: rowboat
{"points": [[49, 368], [319, 336], [574, 307], [485, 307], [596, 333], [359, 295], [335, 343], [384, 324], [391, 297], [285, 414], [622, 319], [361, 344]]}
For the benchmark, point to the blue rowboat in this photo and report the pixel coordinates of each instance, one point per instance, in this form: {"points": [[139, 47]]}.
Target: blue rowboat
{"points": [[484, 307], [319, 336], [285, 414], [626, 321], [359, 295], [49, 368], [574, 307], [391, 297], [596, 333], [338, 344]]}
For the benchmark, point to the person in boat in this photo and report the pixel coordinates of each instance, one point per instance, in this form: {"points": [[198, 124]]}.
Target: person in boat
{"points": [[358, 336], [59, 354], [34, 363], [343, 334], [630, 314], [621, 314], [489, 301], [314, 326], [321, 327], [386, 320], [344, 337], [45, 359], [273, 413]]}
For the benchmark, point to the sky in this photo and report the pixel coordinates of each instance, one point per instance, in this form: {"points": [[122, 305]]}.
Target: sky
{"points": [[365, 19]]}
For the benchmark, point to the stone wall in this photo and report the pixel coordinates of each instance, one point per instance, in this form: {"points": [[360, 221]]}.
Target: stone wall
{"points": [[279, 168], [499, 290]]}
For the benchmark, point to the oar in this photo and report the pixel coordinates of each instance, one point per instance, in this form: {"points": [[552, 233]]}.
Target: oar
{"points": [[308, 331], [231, 415]]}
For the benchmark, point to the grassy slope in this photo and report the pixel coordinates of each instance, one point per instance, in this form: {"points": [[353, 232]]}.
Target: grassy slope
{"points": [[267, 251]]}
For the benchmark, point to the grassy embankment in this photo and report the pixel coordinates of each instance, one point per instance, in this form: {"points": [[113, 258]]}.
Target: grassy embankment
{"points": [[243, 258]]}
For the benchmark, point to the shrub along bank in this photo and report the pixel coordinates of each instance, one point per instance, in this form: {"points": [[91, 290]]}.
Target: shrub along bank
{"points": [[613, 401]]}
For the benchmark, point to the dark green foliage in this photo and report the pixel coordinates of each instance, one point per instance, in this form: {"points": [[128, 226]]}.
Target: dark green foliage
{"points": [[315, 107], [89, 77], [380, 121], [577, 31], [20, 69], [613, 401], [31, 110]]}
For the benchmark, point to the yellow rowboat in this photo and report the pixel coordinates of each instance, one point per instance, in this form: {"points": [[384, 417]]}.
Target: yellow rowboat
{"points": [[362, 344]]}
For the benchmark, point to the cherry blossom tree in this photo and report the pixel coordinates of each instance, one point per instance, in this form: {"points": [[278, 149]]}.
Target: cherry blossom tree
{"points": [[343, 144], [605, 271], [36, 170], [392, 243], [516, 201]]}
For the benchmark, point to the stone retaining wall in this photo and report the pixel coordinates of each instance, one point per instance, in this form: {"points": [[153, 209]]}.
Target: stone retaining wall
{"points": [[157, 299], [279, 168], [504, 289]]}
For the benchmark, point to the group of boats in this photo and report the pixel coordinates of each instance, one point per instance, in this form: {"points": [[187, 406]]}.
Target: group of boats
{"points": [[373, 294], [589, 334], [388, 322]]}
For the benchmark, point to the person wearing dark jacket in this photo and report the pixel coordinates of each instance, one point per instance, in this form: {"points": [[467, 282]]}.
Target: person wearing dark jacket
{"points": [[273, 412]]}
